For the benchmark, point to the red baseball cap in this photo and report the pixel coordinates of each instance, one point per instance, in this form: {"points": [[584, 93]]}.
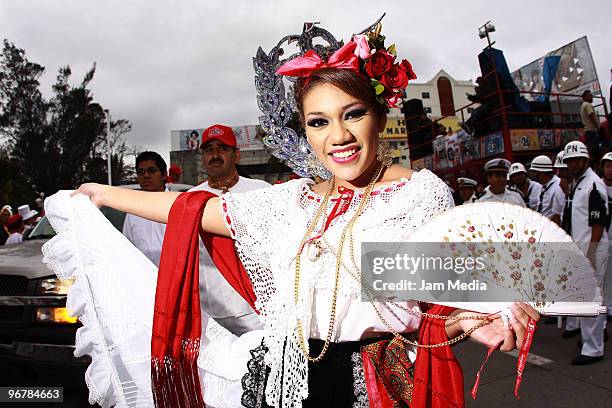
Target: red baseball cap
{"points": [[222, 133]]}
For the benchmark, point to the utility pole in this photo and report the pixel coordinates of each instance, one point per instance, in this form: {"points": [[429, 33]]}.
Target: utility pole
{"points": [[108, 146]]}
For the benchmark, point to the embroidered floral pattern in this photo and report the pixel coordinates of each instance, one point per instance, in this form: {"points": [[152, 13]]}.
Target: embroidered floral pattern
{"points": [[361, 392]]}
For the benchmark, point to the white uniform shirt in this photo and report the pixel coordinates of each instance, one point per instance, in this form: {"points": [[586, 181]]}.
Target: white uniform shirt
{"points": [[581, 211], [559, 201], [226, 302], [534, 190], [14, 238], [508, 196], [146, 235], [549, 198]]}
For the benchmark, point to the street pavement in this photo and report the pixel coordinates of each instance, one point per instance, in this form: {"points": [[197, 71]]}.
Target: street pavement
{"points": [[551, 382]]}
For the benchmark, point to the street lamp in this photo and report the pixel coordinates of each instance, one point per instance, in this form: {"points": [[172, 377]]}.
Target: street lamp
{"points": [[484, 30], [108, 146]]}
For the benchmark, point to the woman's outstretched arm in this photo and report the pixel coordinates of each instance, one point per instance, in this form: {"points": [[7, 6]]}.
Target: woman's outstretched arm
{"points": [[154, 206]]}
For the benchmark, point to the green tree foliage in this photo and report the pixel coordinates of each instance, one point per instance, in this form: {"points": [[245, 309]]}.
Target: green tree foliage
{"points": [[57, 143]]}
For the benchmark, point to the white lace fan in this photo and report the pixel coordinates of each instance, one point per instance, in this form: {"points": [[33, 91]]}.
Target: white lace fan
{"points": [[529, 258]]}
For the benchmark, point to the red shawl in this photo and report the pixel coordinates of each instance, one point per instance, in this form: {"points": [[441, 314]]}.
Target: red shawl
{"points": [[177, 324], [177, 319]]}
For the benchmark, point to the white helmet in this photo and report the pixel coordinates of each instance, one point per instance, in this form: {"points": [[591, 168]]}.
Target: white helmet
{"points": [[516, 168], [575, 149], [607, 156], [559, 164], [542, 164]]}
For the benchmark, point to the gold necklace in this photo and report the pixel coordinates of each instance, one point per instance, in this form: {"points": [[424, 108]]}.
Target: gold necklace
{"points": [[224, 187], [296, 289], [484, 319]]}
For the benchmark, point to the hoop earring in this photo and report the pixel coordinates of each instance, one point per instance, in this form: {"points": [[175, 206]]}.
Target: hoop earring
{"points": [[383, 153]]}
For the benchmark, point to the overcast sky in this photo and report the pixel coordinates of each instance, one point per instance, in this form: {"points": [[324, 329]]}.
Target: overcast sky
{"points": [[183, 64]]}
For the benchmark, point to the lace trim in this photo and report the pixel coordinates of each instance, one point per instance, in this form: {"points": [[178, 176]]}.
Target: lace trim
{"points": [[309, 194], [254, 381], [360, 389]]}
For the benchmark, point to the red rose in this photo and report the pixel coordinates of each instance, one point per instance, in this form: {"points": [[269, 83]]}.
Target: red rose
{"points": [[395, 78], [379, 63], [408, 68]]}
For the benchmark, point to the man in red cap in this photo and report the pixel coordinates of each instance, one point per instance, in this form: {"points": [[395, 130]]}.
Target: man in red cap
{"points": [[220, 155], [15, 227], [219, 300]]}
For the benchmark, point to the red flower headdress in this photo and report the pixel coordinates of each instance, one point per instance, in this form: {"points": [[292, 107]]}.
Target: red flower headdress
{"points": [[365, 54]]}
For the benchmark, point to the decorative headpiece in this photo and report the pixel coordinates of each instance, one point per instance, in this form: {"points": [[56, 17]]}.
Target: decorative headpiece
{"points": [[365, 54]]}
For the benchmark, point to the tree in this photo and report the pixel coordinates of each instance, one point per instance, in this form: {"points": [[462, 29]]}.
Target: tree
{"points": [[59, 143]]}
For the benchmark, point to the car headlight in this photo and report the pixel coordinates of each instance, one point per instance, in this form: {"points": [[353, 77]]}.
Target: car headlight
{"points": [[54, 315], [53, 286]]}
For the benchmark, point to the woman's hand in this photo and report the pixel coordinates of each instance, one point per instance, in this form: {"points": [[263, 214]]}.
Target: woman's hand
{"points": [[494, 333], [96, 192]]}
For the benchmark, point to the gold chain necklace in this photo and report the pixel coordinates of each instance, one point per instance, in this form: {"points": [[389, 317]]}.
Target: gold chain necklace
{"points": [[296, 289], [224, 187], [484, 319]]}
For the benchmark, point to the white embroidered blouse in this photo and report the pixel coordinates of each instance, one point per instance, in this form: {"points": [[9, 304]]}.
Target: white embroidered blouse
{"points": [[268, 226]]}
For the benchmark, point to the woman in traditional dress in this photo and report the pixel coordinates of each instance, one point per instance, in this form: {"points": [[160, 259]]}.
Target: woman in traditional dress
{"points": [[300, 243]]}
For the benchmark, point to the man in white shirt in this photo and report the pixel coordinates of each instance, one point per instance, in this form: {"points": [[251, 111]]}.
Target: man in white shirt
{"points": [[146, 235], [606, 166], [549, 205], [497, 175], [585, 218], [219, 300], [530, 190], [467, 190]]}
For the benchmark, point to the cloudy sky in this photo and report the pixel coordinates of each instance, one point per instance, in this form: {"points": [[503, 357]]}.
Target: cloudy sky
{"points": [[183, 64]]}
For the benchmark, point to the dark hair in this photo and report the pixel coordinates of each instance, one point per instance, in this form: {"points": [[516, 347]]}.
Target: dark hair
{"points": [[352, 83], [585, 93], [159, 161]]}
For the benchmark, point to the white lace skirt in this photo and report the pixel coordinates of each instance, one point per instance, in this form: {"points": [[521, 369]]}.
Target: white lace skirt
{"points": [[113, 296]]}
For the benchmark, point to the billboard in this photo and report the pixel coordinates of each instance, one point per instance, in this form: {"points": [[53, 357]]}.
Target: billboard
{"points": [[247, 137], [569, 69]]}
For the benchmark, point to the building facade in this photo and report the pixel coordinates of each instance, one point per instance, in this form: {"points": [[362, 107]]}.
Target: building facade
{"points": [[442, 95]]}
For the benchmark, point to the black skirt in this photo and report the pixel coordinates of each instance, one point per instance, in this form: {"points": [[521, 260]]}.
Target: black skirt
{"points": [[336, 381]]}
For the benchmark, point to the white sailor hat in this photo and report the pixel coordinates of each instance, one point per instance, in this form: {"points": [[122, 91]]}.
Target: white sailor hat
{"points": [[497, 165], [466, 182], [575, 149], [559, 163], [516, 168], [542, 164], [607, 156]]}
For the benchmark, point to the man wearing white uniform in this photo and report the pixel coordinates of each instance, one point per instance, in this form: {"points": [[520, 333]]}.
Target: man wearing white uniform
{"points": [[467, 190], [585, 219], [497, 173], [146, 235], [530, 190], [542, 168], [560, 169], [218, 299], [606, 166]]}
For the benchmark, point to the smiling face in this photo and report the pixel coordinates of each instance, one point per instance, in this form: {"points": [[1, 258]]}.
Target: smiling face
{"points": [[343, 132]]}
